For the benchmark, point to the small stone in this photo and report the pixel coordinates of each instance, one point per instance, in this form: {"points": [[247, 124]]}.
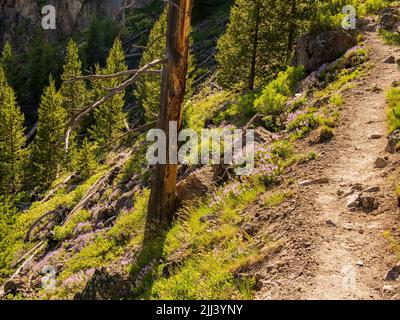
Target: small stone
{"points": [[376, 136], [360, 263], [250, 229], [340, 193], [376, 89], [395, 83], [314, 181], [380, 163], [390, 60], [373, 189], [348, 227], [393, 274], [368, 203], [387, 289], [330, 223], [353, 202], [258, 285]]}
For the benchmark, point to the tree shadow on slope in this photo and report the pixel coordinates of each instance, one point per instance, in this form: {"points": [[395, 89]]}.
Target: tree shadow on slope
{"points": [[108, 284]]}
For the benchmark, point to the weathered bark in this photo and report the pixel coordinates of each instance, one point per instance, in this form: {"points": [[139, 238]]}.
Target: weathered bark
{"points": [[162, 203]]}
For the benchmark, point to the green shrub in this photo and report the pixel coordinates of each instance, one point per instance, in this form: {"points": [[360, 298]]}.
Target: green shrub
{"points": [[274, 97], [393, 111]]}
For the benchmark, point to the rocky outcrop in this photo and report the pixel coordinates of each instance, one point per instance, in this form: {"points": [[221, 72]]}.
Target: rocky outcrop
{"points": [[18, 18], [313, 51]]}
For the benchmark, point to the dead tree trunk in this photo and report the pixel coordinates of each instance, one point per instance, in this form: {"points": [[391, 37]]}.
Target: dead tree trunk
{"points": [[162, 203]]}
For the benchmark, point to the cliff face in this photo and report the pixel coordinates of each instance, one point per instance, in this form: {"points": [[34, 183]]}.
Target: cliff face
{"points": [[18, 18]]}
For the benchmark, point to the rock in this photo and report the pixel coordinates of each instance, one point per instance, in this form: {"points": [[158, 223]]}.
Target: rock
{"points": [[197, 184], [380, 163], [376, 89], [368, 203], [306, 183], [330, 223], [103, 214], [258, 285], [262, 136], [360, 263], [13, 287], [390, 60], [114, 195], [250, 229], [387, 289], [373, 189], [126, 200], [348, 227], [376, 136], [394, 142], [210, 217], [393, 274], [388, 20], [353, 202], [313, 51], [395, 83]]}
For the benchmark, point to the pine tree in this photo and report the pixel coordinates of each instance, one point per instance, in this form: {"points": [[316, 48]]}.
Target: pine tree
{"points": [[254, 46], [12, 139], [109, 117], [47, 150], [74, 93], [149, 87], [8, 62], [85, 160]]}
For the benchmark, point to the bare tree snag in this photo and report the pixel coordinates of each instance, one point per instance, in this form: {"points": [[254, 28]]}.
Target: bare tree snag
{"points": [[162, 203]]}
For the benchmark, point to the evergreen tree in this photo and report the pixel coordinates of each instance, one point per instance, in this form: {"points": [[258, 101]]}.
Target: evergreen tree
{"points": [[47, 150], [12, 139], [148, 88], [109, 117], [85, 160], [8, 61], [74, 93], [254, 46]]}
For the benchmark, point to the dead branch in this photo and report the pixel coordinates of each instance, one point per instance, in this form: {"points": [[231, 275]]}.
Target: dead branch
{"points": [[109, 95], [52, 192], [111, 76]]}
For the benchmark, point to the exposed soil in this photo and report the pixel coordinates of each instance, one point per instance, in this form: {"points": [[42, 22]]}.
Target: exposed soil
{"points": [[328, 251]]}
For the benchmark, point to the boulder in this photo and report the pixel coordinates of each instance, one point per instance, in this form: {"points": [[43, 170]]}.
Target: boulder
{"points": [[313, 51], [197, 184], [388, 19]]}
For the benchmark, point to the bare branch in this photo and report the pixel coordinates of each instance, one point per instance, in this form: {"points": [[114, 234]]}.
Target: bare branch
{"points": [[109, 95], [111, 76]]}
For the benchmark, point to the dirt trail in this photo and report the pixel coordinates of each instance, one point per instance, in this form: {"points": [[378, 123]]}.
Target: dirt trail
{"points": [[349, 258], [349, 265]]}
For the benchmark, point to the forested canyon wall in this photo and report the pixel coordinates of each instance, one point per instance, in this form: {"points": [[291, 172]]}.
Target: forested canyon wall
{"points": [[19, 18]]}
